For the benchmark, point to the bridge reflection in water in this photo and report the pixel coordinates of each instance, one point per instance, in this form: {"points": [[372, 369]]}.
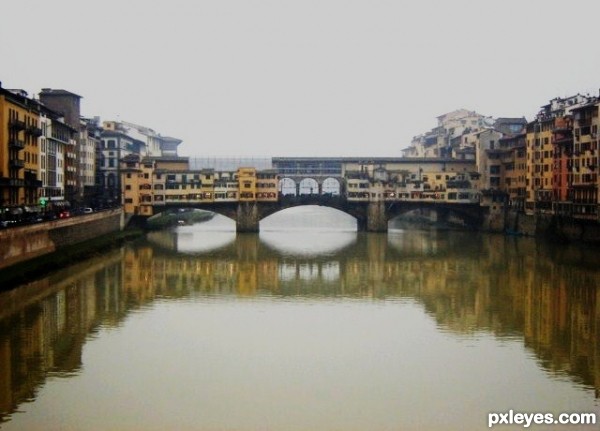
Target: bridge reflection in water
{"points": [[511, 288]]}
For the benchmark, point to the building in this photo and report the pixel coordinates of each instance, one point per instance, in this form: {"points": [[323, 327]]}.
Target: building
{"points": [[68, 106], [115, 146], [514, 169], [19, 151], [119, 139], [549, 157], [584, 163], [154, 145], [488, 159], [89, 140], [562, 181], [455, 131], [56, 142]]}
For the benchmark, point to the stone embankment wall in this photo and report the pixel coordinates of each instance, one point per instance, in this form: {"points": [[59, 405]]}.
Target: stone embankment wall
{"points": [[19, 244], [550, 226]]}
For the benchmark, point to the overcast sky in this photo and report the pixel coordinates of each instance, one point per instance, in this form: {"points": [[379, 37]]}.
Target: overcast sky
{"points": [[301, 77]]}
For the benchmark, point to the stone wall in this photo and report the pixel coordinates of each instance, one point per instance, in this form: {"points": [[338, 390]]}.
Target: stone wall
{"points": [[19, 244]]}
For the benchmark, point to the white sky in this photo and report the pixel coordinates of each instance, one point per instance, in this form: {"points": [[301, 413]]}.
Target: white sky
{"points": [[301, 77]]}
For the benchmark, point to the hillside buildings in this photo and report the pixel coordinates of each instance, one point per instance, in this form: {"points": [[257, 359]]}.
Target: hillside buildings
{"points": [[545, 166]]}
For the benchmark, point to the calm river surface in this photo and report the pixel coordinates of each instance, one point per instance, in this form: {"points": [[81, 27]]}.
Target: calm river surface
{"points": [[308, 325]]}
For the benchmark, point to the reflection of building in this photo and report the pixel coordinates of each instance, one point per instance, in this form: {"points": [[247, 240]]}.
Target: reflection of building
{"points": [[511, 288], [54, 317]]}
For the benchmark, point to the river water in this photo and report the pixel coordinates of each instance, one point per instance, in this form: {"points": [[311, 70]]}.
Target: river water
{"points": [[308, 325]]}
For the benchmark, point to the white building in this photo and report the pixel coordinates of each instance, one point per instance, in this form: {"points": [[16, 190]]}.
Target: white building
{"points": [[456, 130]]}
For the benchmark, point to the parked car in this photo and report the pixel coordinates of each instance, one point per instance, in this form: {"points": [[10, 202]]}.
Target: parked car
{"points": [[64, 214], [88, 210]]}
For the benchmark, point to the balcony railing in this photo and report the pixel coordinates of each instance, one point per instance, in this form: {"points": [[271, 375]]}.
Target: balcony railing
{"points": [[16, 124], [13, 182], [15, 143], [33, 183], [34, 131], [17, 163]]}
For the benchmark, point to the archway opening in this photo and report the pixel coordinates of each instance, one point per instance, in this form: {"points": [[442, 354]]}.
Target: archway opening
{"points": [[308, 230], [331, 186], [287, 186], [309, 218], [309, 186]]}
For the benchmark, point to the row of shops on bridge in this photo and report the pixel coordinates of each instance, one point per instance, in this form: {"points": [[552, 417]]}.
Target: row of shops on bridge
{"points": [[148, 183]]}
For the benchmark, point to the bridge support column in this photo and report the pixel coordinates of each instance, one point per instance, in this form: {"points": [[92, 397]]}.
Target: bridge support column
{"points": [[247, 217], [377, 220]]}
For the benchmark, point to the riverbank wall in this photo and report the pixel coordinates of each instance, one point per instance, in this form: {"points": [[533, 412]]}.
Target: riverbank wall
{"points": [[24, 243], [552, 227]]}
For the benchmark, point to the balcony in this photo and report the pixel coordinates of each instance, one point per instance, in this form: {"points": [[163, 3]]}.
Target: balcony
{"points": [[16, 124], [15, 143], [583, 122], [33, 183], [34, 131], [17, 163], [15, 182]]}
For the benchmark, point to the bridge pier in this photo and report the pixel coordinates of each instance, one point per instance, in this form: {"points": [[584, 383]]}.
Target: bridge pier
{"points": [[247, 219], [377, 220]]}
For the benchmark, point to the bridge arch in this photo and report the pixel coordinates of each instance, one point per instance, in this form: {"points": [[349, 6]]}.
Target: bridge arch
{"points": [[310, 214], [469, 215]]}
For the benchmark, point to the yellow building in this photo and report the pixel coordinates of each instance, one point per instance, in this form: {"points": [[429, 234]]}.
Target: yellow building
{"points": [[19, 150], [584, 163], [226, 187], [514, 170], [539, 165], [267, 183], [247, 184], [137, 179]]}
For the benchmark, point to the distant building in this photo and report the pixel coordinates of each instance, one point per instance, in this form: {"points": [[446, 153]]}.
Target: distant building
{"points": [[80, 158], [455, 131], [120, 139], [57, 154], [89, 141], [115, 145], [153, 144]]}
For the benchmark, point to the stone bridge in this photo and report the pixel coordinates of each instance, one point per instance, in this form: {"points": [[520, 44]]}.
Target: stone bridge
{"points": [[370, 216]]}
